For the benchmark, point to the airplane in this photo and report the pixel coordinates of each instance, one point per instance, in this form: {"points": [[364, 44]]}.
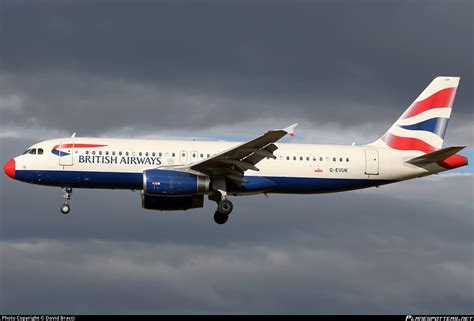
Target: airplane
{"points": [[178, 174]]}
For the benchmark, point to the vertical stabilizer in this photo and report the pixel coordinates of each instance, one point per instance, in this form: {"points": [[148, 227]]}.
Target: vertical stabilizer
{"points": [[423, 125]]}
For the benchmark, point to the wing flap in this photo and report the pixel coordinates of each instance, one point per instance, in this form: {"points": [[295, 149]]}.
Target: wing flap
{"points": [[257, 157], [233, 162]]}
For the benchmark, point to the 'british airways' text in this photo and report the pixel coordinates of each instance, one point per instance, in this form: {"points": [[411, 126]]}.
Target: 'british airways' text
{"points": [[113, 160]]}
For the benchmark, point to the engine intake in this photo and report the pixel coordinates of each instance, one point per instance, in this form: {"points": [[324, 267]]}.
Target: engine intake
{"points": [[173, 183]]}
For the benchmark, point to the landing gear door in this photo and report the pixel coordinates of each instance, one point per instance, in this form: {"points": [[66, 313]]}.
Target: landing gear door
{"points": [[371, 162], [65, 153]]}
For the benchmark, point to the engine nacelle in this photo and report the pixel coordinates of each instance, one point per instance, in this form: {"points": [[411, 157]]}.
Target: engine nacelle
{"points": [[173, 183], [172, 203]]}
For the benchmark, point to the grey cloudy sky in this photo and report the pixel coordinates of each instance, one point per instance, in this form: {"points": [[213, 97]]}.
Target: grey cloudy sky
{"points": [[344, 70]]}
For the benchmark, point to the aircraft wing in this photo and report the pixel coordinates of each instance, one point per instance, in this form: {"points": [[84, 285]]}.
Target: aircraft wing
{"points": [[233, 163]]}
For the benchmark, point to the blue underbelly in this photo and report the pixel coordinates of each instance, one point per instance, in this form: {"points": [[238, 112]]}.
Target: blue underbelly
{"points": [[302, 185], [117, 180], [82, 179]]}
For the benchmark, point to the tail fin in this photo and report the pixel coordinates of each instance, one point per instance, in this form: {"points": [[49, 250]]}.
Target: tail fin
{"points": [[423, 125]]}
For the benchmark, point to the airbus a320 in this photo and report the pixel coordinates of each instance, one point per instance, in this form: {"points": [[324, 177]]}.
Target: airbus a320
{"points": [[178, 175]]}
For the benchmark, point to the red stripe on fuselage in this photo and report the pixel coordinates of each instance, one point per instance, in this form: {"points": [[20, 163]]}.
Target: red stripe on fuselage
{"points": [[407, 143], [441, 99], [78, 146]]}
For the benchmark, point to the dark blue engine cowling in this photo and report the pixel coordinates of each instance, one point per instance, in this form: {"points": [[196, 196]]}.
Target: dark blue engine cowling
{"points": [[173, 183], [172, 203]]}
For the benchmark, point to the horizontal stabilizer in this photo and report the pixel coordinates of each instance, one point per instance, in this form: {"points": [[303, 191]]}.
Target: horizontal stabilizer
{"points": [[436, 156]]}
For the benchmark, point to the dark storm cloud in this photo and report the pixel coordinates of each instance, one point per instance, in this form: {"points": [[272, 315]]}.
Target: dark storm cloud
{"points": [[180, 65]]}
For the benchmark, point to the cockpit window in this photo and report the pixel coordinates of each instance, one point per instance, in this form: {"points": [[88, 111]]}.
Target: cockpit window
{"points": [[34, 151]]}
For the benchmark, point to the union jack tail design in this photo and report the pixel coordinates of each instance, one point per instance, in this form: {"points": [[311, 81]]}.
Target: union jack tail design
{"points": [[423, 125]]}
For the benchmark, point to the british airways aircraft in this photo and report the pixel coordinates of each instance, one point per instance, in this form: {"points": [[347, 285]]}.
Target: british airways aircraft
{"points": [[177, 174]]}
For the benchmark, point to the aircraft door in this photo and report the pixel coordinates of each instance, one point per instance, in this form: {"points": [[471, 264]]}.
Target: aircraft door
{"points": [[65, 153], [371, 161]]}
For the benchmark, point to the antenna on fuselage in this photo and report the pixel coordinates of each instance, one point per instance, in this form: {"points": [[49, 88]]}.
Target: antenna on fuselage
{"points": [[73, 135]]}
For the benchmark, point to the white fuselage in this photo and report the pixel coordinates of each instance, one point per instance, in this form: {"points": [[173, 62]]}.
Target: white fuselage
{"points": [[82, 165]]}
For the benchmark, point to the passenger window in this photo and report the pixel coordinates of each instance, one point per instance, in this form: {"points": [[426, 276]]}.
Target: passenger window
{"points": [[140, 154], [87, 152], [314, 159], [287, 157], [334, 159], [146, 154], [307, 158], [294, 157], [100, 152], [160, 154], [320, 159], [340, 159], [173, 155], [113, 153], [194, 155], [93, 152], [208, 155], [120, 153], [40, 151], [153, 154], [201, 155], [301, 158], [347, 159], [107, 153], [127, 153]]}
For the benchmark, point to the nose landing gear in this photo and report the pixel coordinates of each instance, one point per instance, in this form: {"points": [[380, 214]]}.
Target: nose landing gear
{"points": [[65, 208]]}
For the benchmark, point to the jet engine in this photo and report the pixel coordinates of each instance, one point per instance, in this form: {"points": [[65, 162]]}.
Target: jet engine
{"points": [[172, 203], [158, 182]]}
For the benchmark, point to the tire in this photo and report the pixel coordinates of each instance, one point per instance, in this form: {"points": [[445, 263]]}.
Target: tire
{"points": [[65, 209], [225, 207], [220, 218]]}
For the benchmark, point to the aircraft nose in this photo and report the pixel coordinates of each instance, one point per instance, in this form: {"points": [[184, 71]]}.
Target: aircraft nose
{"points": [[9, 168]]}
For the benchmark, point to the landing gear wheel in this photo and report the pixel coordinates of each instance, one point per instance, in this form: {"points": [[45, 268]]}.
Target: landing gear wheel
{"points": [[225, 207], [220, 218], [65, 208]]}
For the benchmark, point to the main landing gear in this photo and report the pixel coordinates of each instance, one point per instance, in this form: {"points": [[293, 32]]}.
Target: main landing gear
{"points": [[224, 207], [65, 208]]}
